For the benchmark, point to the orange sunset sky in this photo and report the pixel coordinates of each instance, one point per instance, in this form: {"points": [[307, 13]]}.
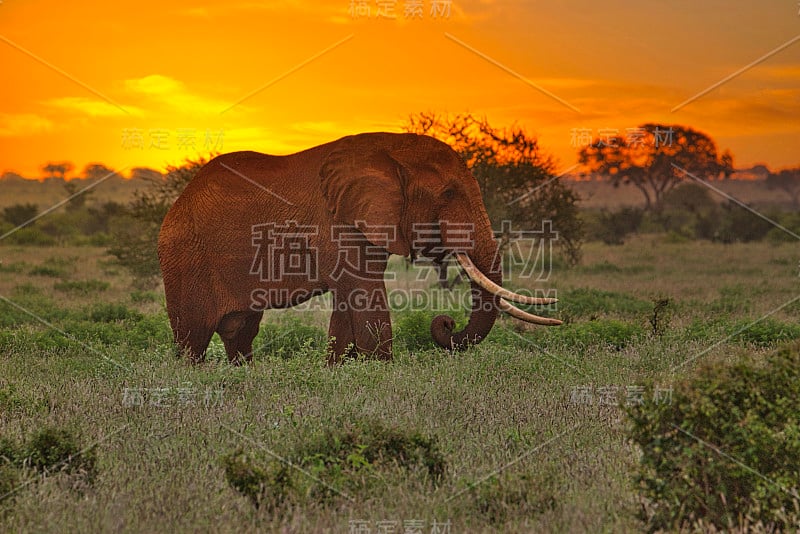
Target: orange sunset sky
{"points": [[145, 83]]}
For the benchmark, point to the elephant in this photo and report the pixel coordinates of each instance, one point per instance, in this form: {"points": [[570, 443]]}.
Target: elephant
{"points": [[253, 231]]}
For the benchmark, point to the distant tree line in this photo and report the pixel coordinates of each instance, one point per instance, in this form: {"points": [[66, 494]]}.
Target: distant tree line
{"points": [[671, 165]]}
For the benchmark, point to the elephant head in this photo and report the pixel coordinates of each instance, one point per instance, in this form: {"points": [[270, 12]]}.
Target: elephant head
{"points": [[421, 188]]}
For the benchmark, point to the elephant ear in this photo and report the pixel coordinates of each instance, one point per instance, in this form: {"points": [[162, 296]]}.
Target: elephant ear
{"points": [[365, 189]]}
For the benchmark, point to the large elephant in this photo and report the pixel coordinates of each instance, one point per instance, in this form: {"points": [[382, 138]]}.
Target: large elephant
{"points": [[253, 231]]}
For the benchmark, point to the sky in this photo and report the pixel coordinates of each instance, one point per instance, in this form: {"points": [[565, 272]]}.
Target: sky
{"points": [[146, 83]]}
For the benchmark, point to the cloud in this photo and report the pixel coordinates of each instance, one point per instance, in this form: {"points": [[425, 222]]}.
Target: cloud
{"points": [[23, 124], [93, 108], [173, 94], [784, 73]]}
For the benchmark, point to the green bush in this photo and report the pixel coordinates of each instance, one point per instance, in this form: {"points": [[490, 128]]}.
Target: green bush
{"points": [[608, 332], [109, 312], [412, 328], [20, 213], [81, 287], [16, 267], [52, 448], [47, 270], [742, 225], [612, 227], [54, 267], [9, 483], [29, 306], [290, 338], [48, 451], [690, 211], [351, 459], [141, 297], [587, 302], [606, 267], [733, 299], [726, 449], [765, 332], [29, 236], [520, 495]]}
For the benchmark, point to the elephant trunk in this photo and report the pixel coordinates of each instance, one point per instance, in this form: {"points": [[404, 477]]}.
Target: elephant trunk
{"points": [[485, 304]]}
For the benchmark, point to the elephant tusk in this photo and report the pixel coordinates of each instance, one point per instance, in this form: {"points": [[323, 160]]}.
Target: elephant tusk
{"points": [[515, 312], [479, 278]]}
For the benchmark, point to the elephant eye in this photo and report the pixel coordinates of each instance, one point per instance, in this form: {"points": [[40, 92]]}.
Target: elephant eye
{"points": [[449, 193]]}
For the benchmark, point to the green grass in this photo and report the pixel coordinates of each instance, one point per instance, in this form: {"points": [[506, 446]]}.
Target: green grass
{"points": [[163, 432]]}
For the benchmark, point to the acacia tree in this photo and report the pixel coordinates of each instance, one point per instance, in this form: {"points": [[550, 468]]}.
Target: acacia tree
{"points": [[91, 172], [57, 171], [788, 181], [656, 159], [517, 179]]}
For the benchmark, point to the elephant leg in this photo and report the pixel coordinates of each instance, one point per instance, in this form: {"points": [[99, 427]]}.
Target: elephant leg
{"points": [[247, 334], [341, 340], [373, 333], [192, 338], [361, 324], [237, 330]]}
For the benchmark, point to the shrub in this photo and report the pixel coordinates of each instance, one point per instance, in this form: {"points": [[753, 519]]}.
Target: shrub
{"points": [[81, 287], [598, 332], [348, 459], [740, 224], [56, 448], [612, 227], [727, 448], [732, 299], [9, 483], [29, 305], [54, 267], [789, 221], [412, 328], [46, 270], [689, 210], [16, 267], [49, 450], [20, 213], [246, 476], [606, 267], [108, 312], [583, 302], [290, 338], [141, 297], [522, 495], [29, 236], [765, 332]]}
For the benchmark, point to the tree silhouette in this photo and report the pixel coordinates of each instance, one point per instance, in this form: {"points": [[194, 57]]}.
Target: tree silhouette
{"points": [[517, 179], [146, 173], [656, 160], [788, 181], [726, 160], [57, 170], [97, 171]]}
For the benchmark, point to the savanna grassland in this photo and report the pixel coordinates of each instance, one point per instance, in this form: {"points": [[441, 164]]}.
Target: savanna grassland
{"points": [[526, 432]]}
